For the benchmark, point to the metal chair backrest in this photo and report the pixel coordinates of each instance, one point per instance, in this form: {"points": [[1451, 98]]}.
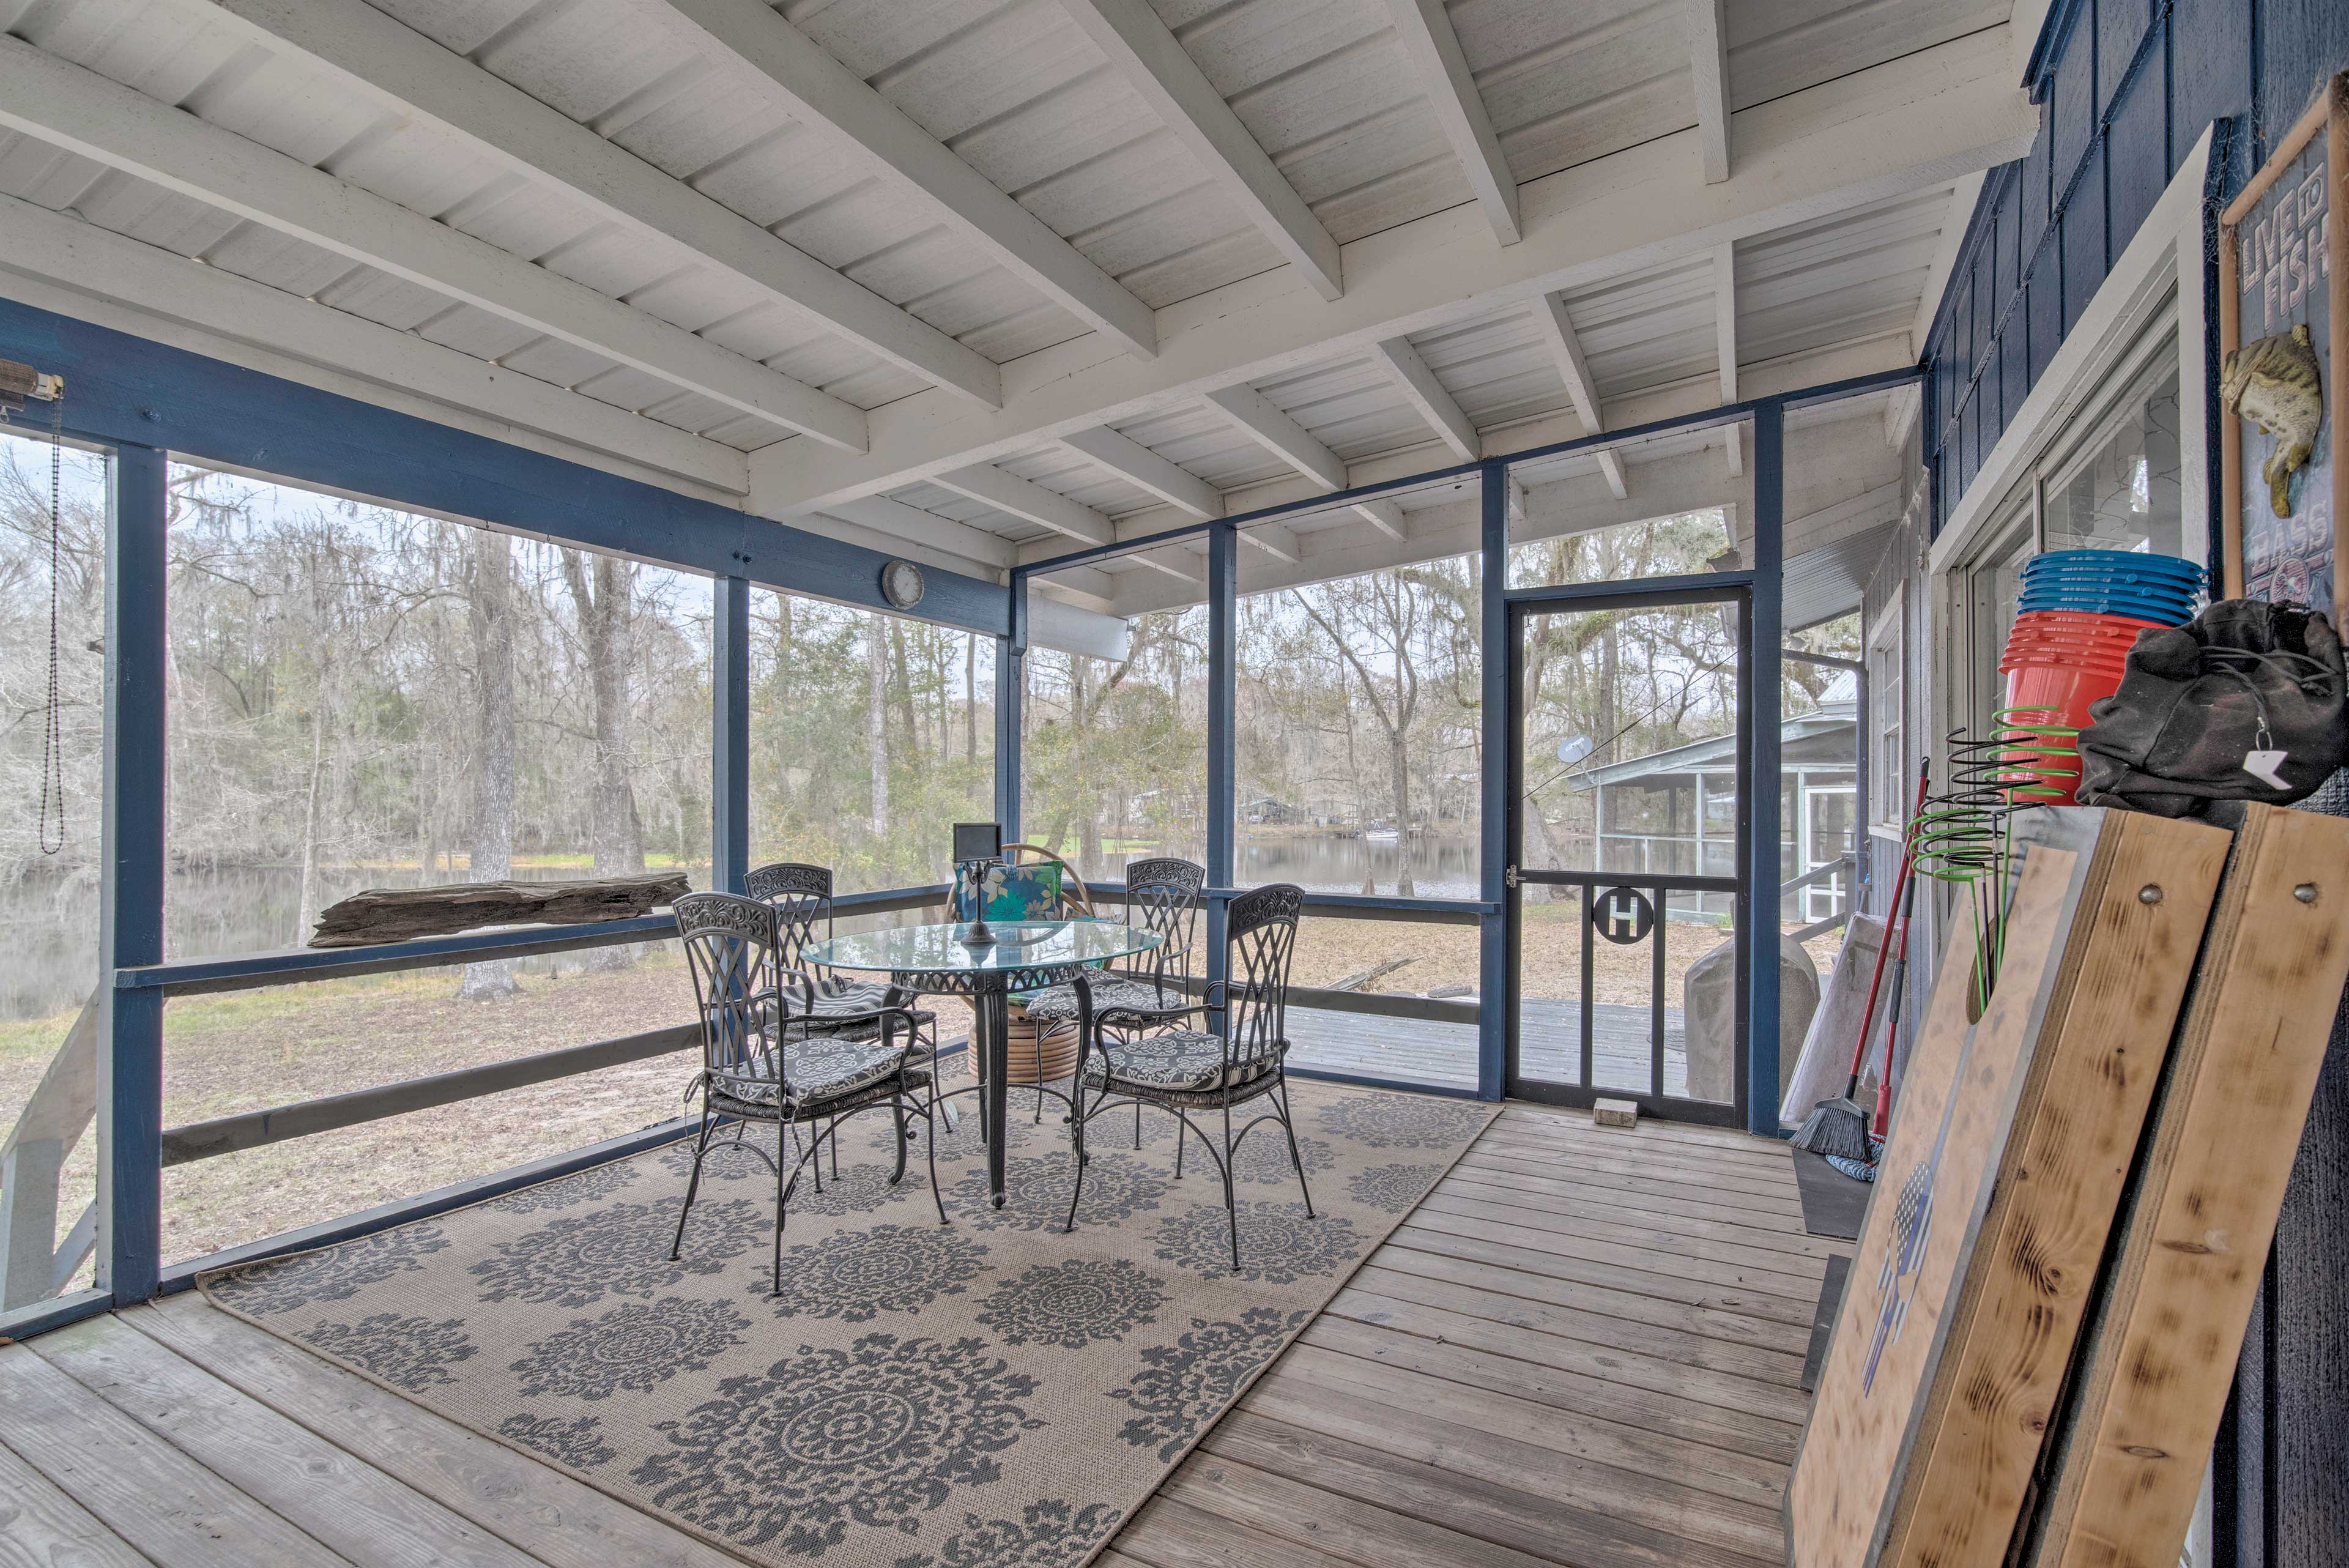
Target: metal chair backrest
{"points": [[729, 947], [1163, 895], [1260, 937], [801, 897]]}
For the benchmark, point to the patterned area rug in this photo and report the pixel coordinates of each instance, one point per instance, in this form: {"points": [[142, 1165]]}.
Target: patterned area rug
{"points": [[986, 1391]]}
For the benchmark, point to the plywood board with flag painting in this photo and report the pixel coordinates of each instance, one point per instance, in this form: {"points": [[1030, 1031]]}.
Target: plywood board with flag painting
{"points": [[1996, 1196]]}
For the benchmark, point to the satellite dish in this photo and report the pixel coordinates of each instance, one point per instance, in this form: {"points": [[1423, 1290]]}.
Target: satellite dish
{"points": [[1574, 748]]}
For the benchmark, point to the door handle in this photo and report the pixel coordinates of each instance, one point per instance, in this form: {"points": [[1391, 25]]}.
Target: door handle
{"points": [[1509, 876]]}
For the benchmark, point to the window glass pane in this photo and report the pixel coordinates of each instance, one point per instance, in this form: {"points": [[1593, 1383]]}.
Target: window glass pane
{"points": [[2121, 491], [364, 697], [49, 895], [871, 736], [245, 1051], [1359, 745], [1113, 756]]}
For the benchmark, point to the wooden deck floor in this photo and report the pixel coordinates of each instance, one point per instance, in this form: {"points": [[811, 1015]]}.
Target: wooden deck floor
{"points": [[1443, 1055], [1584, 1349]]}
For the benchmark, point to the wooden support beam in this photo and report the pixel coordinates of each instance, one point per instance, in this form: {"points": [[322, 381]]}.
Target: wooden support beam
{"points": [[1411, 375], [1007, 491], [58, 102], [1424, 29], [1384, 516], [796, 75], [1130, 460], [1275, 539], [892, 519], [62, 250], [1724, 318], [1823, 149], [1154, 63], [414, 78], [1566, 351], [1709, 76], [1262, 420]]}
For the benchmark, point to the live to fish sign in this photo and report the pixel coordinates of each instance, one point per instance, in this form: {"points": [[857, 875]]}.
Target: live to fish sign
{"points": [[1623, 915]]}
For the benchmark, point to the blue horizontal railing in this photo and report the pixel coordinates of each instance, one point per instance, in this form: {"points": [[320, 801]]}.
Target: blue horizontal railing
{"points": [[247, 972]]}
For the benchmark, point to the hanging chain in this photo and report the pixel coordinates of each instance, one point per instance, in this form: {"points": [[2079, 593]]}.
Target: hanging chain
{"points": [[52, 753]]}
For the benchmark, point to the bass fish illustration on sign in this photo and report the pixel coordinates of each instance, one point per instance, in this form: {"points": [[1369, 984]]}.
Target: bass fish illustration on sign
{"points": [[2275, 384]]}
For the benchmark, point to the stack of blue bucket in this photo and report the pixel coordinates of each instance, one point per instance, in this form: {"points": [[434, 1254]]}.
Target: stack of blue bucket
{"points": [[2162, 589], [2081, 612]]}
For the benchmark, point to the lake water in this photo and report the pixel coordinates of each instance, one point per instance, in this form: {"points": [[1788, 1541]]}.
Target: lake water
{"points": [[1443, 867]]}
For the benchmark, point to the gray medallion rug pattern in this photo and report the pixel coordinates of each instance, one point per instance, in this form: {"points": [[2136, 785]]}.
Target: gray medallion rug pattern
{"points": [[989, 1391]]}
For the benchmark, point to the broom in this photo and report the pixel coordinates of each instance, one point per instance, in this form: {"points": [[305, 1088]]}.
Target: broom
{"points": [[1838, 1127]]}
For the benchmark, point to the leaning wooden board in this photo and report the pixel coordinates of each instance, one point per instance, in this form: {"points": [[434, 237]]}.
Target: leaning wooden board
{"points": [[2000, 1184], [2154, 1368]]}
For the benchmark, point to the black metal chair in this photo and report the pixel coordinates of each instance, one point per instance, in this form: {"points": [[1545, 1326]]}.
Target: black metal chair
{"points": [[801, 896], [768, 1056], [1182, 1069], [1163, 894]]}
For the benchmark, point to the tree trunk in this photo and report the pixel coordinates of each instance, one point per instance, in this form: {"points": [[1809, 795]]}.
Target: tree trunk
{"points": [[490, 615], [607, 611], [1399, 761], [970, 698], [876, 721], [305, 906]]}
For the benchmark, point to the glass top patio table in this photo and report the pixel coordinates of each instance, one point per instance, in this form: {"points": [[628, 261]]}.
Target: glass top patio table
{"points": [[1018, 947]]}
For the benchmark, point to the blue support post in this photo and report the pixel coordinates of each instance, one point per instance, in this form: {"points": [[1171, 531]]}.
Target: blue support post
{"points": [[730, 752], [1223, 708], [1010, 692], [1761, 871], [130, 918], [1493, 931]]}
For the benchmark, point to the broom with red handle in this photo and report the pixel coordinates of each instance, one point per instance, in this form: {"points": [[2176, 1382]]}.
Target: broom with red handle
{"points": [[1838, 1127]]}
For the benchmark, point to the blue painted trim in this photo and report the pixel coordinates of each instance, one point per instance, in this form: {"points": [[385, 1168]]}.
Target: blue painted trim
{"points": [[1499, 703], [130, 920], [730, 727], [1459, 912], [1759, 1018], [1223, 725], [1010, 708], [1363, 1081], [126, 388], [42, 1316]]}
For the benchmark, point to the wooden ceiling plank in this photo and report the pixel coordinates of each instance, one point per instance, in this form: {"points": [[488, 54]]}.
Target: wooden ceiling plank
{"points": [[1424, 29], [1154, 63], [1132, 460], [1007, 491], [799, 76], [1411, 375]]}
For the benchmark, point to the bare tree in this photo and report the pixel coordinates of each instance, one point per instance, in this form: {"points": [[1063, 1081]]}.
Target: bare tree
{"points": [[490, 615], [876, 719], [606, 612]]}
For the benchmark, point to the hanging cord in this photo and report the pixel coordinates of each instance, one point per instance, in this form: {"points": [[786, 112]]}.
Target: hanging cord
{"points": [[2300, 669], [53, 752]]}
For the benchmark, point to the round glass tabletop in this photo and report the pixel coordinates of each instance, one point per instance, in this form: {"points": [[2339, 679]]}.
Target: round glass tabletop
{"points": [[1017, 946]]}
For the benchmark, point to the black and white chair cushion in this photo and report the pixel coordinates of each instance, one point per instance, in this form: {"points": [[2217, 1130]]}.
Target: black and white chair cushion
{"points": [[1177, 1059]]}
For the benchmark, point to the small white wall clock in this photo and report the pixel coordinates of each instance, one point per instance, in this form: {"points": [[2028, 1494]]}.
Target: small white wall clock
{"points": [[901, 583]]}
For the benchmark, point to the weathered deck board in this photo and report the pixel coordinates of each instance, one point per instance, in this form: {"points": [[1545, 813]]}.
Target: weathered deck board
{"points": [[1582, 1352]]}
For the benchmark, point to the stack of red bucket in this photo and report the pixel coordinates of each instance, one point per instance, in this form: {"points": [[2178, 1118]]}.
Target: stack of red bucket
{"points": [[2081, 612]]}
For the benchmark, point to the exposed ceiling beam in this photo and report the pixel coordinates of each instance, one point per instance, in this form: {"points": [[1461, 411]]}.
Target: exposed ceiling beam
{"points": [[375, 55], [99, 263], [1423, 28], [1724, 322], [1086, 587], [1900, 412], [1153, 61], [1169, 563], [1384, 516], [1411, 375], [893, 518], [1566, 351], [1007, 491], [1910, 124], [1954, 218], [802, 79], [1132, 460], [1261, 421], [60, 103], [1275, 539], [1708, 33]]}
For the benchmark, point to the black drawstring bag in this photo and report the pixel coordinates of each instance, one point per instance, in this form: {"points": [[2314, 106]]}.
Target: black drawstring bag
{"points": [[2245, 682]]}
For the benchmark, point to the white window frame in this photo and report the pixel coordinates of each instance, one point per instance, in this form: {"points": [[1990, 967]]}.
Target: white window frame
{"points": [[1887, 649]]}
